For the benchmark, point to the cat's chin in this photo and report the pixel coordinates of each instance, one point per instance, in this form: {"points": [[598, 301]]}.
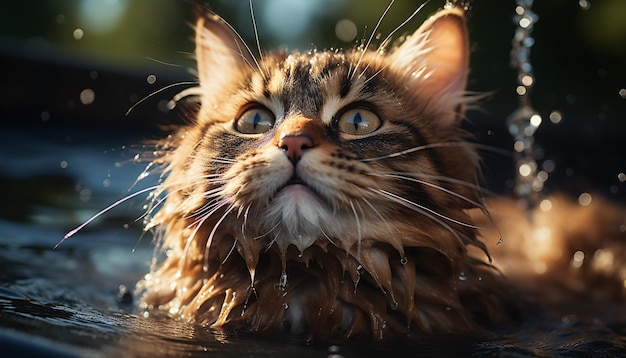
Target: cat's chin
{"points": [[297, 215]]}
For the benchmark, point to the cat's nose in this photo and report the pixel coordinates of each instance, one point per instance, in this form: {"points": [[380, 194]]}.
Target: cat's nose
{"points": [[295, 145]]}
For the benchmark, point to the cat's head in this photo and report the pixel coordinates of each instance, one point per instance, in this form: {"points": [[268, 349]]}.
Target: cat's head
{"points": [[347, 147]]}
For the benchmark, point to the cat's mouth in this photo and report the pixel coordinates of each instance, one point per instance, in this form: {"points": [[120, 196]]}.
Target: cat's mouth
{"points": [[295, 180]]}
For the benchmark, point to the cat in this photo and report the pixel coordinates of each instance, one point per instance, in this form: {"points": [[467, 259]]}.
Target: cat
{"points": [[329, 193]]}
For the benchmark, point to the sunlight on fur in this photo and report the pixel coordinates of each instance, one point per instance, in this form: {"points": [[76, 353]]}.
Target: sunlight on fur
{"points": [[333, 194]]}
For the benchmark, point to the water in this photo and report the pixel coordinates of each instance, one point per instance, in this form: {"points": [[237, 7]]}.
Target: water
{"points": [[524, 121]]}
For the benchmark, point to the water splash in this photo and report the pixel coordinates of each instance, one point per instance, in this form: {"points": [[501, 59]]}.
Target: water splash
{"points": [[524, 121]]}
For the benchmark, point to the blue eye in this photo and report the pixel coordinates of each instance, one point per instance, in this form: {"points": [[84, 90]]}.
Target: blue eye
{"points": [[358, 122], [255, 121]]}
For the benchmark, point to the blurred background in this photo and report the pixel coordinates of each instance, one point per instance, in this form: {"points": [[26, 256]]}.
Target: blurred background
{"points": [[71, 70]]}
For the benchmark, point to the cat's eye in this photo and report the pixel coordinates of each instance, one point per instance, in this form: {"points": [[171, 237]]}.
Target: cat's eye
{"points": [[255, 120], [358, 122]]}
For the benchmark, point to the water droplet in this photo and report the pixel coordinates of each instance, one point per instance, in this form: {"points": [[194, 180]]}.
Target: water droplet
{"points": [[555, 117], [63, 164], [346, 30], [285, 305], [584, 4], [577, 259], [621, 177], [78, 34], [281, 286], [462, 276], [549, 165], [525, 22], [542, 176], [622, 93], [527, 80], [545, 205], [87, 96], [404, 260], [151, 79], [535, 120], [85, 195], [525, 170], [584, 199], [394, 305]]}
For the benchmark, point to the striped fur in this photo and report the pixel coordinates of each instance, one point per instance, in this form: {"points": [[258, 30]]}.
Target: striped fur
{"points": [[350, 233]]}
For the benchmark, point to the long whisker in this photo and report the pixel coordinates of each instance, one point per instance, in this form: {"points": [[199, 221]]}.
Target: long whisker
{"points": [[432, 185], [464, 183], [256, 31], [205, 267], [385, 42], [101, 212], [159, 91], [409, 204], [247, 48], [438, 145], [369, 40], [424, 208]]}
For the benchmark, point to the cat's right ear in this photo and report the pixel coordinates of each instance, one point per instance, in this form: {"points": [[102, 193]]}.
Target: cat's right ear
{"points": [[221, 53]]}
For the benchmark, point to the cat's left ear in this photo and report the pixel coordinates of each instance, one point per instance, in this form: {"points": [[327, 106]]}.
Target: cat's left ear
{"points": [[436, 58]]}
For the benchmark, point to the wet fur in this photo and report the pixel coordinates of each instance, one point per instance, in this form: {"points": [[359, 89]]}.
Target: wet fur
{"points": [[381, 244]]}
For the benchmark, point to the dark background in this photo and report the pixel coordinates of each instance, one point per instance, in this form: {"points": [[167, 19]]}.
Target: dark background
{"points": [[579, 60]]}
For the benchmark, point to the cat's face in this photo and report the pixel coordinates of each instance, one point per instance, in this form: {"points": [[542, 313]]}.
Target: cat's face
{"points": [[343, 147]]}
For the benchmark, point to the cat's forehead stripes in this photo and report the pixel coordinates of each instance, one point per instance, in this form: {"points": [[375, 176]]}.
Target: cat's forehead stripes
{"points": [[316, 84]]}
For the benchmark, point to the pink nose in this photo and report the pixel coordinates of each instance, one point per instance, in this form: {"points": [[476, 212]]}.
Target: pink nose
{"points": [[294, 146]]}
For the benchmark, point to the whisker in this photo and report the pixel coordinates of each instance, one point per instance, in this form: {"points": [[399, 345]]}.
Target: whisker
{"points": [[385, 42], [422, 207], [232, 248], [205, 267], [256, 31], [409, 204], [369, 40], [375, 74], [246, 47], [163, 62], [464, 183], [358, 229], [159, 91], [101, 212], [432, 185], [438, 145]]}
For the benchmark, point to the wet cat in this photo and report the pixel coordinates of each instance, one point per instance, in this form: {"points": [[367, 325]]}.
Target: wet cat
{"points": [[327, 193]]}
